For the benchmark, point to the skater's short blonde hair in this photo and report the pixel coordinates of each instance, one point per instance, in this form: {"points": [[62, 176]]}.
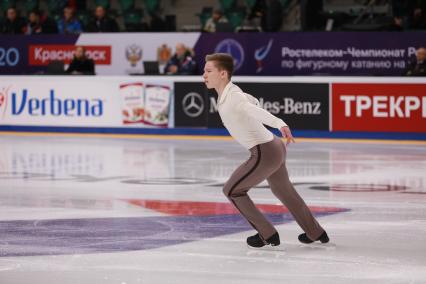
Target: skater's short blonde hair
{"points": [[222, 61]]}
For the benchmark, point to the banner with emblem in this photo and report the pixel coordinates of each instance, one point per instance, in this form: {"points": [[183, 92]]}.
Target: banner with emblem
{"points": [[315, 53], [302, 105], [130, 50], [113, 53], [269, 54]]}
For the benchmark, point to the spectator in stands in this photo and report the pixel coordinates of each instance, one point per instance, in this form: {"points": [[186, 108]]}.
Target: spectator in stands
{"points": [[102, 22], [69, 24], [418, 66], [34, 23], [217, 17], [40, 24], [12, 24], [270, 13], [409, 14], [418, 16], [400, 15], [182, 62], [81, 64]]}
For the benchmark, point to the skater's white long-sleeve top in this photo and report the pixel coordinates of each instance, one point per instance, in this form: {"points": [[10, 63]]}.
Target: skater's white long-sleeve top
{"points": [[244, 118]]}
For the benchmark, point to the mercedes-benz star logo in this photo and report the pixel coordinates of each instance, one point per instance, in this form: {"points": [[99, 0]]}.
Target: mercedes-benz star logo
{"points": [[193, 104]]}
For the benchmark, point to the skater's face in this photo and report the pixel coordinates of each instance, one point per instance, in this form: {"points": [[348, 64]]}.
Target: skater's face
{"points": [[213, 77]]}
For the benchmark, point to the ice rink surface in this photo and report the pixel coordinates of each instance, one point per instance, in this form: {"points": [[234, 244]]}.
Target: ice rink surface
{"points": [[114, 210]]}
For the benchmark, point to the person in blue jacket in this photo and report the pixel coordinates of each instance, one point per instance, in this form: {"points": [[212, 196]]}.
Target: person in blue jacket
{"points": [[182, 62], [69, 24]]}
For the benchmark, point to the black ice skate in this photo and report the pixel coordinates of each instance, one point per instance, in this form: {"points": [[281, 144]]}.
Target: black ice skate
{"points": [[257, 241], [303, 238]]}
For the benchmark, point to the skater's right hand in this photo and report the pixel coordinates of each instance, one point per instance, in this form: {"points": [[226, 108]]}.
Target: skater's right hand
{"points": [[286, 133]]}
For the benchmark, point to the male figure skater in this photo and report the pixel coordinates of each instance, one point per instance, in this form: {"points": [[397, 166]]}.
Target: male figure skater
{"points": [[244, 119]]}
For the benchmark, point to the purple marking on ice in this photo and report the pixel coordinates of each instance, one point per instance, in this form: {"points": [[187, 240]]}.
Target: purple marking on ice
{"points": [[102, 235]]}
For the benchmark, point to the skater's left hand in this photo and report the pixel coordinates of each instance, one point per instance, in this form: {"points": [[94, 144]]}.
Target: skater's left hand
{"points": [[286, 133]]}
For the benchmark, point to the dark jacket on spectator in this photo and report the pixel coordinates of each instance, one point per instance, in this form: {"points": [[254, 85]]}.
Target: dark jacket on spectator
{"points": [[46, 26], [15, 27], [84, 66], [416, 69], [103, 25], [186, 64]]}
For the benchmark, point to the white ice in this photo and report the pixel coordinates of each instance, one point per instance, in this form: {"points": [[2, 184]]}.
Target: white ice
{"points": [[382, 239]]}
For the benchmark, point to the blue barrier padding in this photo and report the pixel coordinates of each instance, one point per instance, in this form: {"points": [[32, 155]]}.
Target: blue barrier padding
{"points": [[213, 132]]}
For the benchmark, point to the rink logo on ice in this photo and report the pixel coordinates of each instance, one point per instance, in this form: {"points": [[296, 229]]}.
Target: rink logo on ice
{"points": [[171, 223], [379, 107], [23, 103]]}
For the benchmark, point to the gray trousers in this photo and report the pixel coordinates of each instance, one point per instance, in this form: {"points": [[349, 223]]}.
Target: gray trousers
{"points": [[267, 161]]}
